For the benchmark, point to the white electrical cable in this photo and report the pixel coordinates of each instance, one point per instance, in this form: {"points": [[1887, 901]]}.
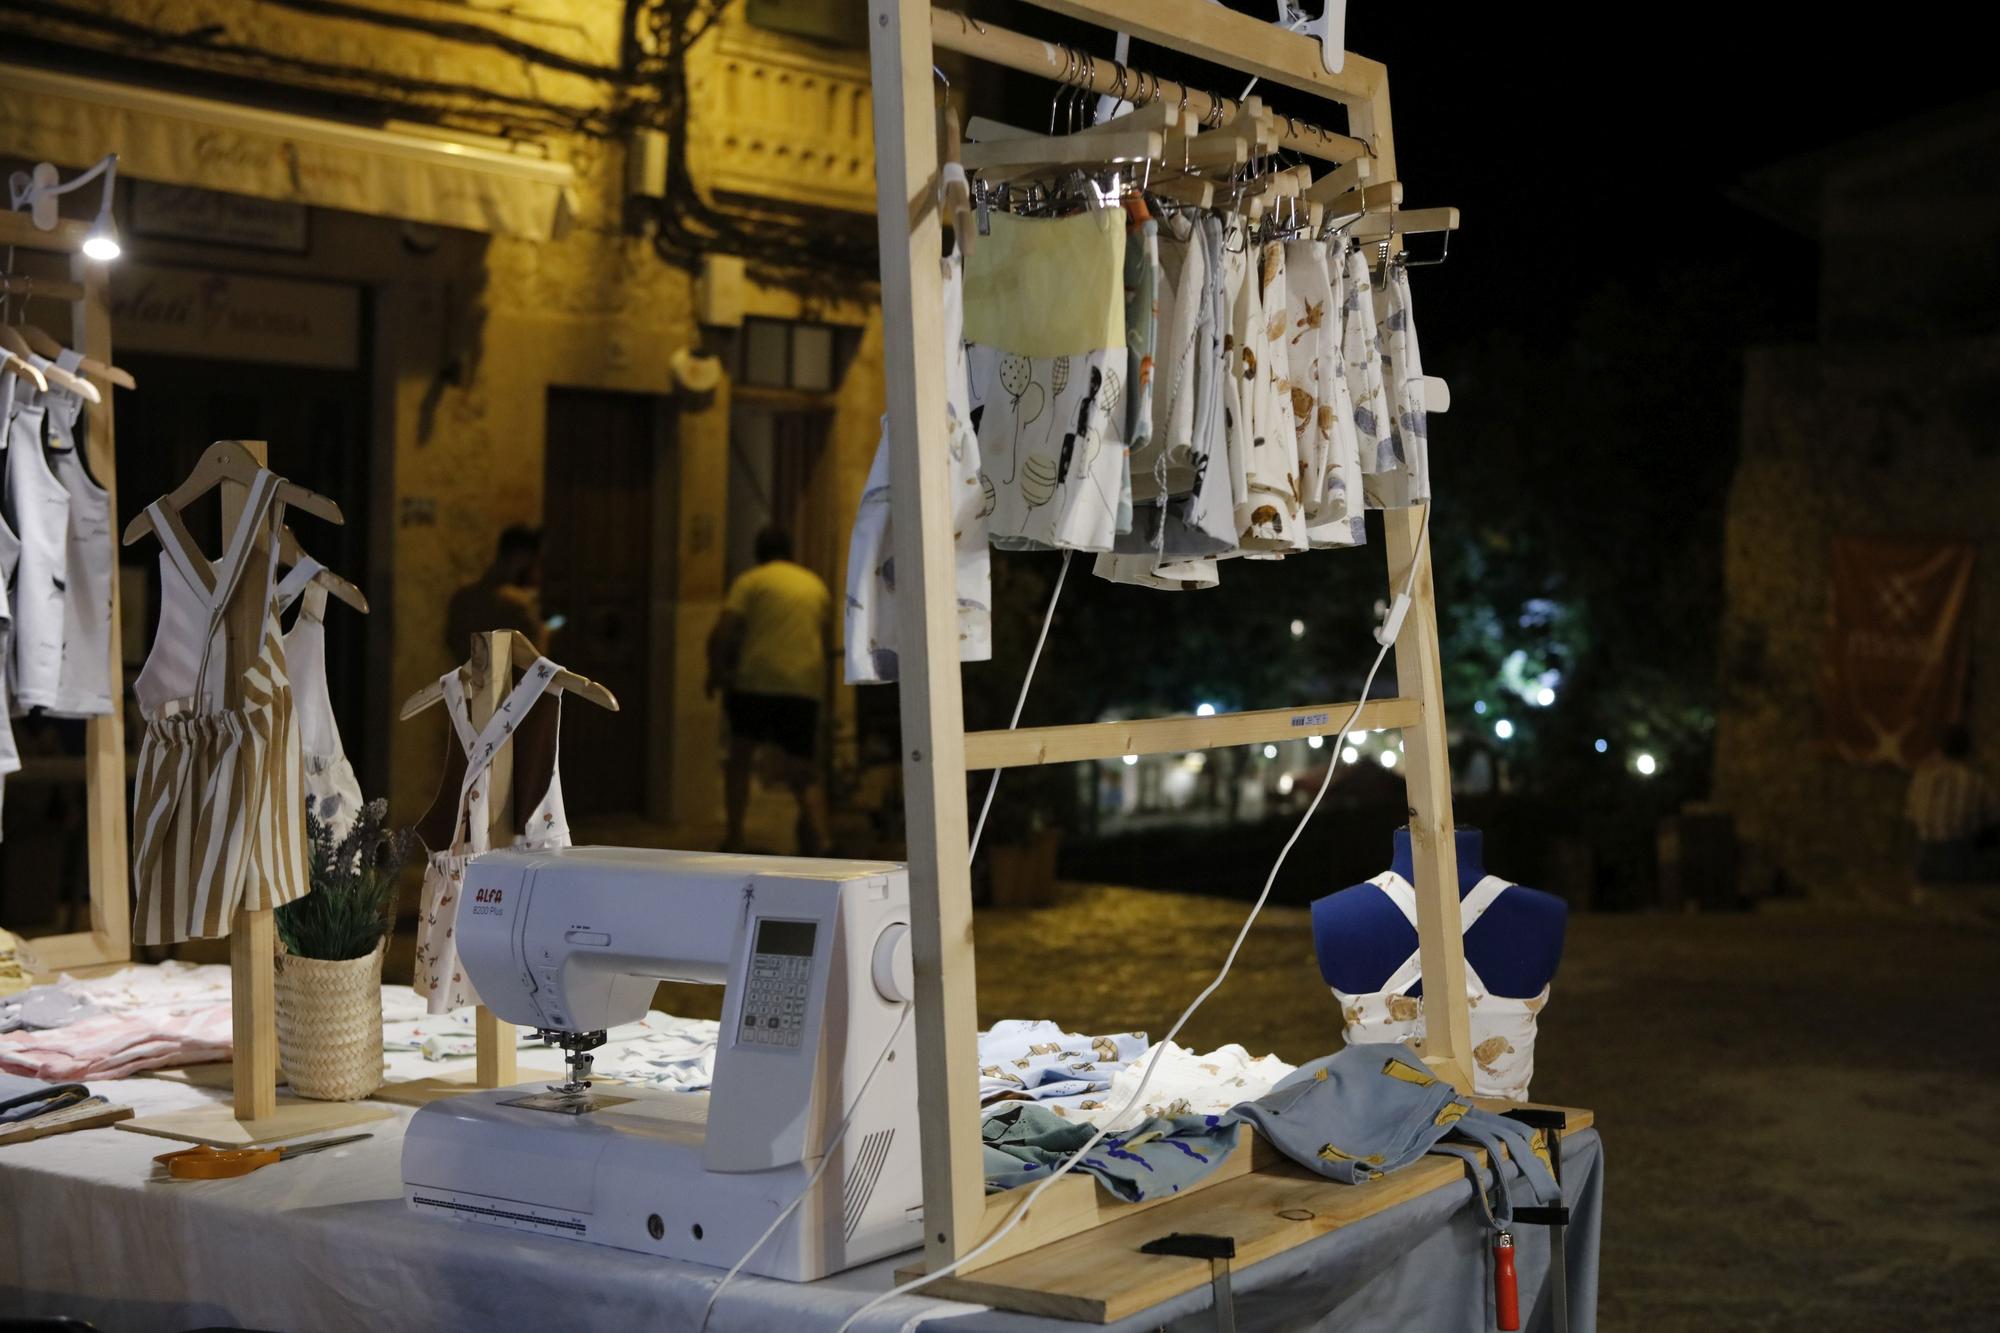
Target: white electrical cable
{"points": [[1048, 618], [812, 1180], [1409, 584]]}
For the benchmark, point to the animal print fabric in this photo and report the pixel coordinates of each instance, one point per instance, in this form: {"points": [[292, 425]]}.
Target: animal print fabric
{"points": [[1503, 1027]]}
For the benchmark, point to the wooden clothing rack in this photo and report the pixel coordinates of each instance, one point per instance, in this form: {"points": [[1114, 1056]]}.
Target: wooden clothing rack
{"points": [[904, 36], [108, 942]]}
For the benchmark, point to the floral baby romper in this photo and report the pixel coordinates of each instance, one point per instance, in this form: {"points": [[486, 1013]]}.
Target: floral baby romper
{"points": [[536, 735]]}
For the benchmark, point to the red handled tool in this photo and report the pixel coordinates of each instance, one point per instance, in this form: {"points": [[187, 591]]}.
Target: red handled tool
{"points": [[1506, 1288]]}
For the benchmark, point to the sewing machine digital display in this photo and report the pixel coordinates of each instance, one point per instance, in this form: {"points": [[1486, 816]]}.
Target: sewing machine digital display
{"points": [[778, 984]]}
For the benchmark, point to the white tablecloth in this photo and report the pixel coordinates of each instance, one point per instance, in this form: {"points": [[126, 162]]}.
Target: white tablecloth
{"points": [[325, 1242]]}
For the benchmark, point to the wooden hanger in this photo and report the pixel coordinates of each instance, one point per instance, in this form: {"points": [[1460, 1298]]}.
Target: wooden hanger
{"points": [[521, 655], [1007, 158], [15, 365], [47, 346], [957, 197], [1251, 130], [11, 339], [291, 554], [1340, 180], [1406, 222], [228, 460], [1383, 198]]}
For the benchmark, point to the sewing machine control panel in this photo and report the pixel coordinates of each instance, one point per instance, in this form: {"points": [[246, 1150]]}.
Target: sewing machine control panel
{"points": [[778, 985]]}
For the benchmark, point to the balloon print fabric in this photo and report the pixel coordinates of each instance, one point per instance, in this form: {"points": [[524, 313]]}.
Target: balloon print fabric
{"points": [[1045, 320]]}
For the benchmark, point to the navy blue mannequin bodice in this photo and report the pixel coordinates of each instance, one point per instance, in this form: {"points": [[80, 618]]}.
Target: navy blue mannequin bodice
{"points": [[1361, 938]]}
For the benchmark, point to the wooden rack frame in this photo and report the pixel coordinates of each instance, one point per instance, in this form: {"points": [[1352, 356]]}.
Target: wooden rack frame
{"points": [[108, 942], [904, 34]]}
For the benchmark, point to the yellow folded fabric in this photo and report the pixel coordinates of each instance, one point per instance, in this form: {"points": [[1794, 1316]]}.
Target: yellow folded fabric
{"points": [[1048, 286]]}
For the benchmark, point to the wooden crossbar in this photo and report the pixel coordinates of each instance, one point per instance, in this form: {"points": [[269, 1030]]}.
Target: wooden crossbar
{"points": [[1163, 735], [952, 31]]}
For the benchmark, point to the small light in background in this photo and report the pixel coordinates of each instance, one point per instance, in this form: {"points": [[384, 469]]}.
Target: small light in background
{"points": [[1349, 755], [1314, 742], [1479, 707], [1646, 764], [1503, 729], [1298, 629], [1131, 759], [1388, 758], [1602, 745], [1270, 752], [1204, 710], [1285, 784], [1545, 696]]}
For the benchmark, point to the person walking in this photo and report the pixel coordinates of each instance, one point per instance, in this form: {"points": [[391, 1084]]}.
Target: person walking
{"points": [[768, 657]]}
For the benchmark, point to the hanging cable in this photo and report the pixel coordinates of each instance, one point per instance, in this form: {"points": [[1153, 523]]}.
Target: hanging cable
{"points": [[1387, 637], [826, 1156], [1048, 617]]}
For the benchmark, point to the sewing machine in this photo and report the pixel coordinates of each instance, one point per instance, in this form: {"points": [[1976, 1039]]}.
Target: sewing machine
{"points": [[815, 958]]}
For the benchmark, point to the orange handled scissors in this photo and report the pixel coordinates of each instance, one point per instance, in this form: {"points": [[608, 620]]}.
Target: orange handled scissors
{"points": [[206, 1163]]}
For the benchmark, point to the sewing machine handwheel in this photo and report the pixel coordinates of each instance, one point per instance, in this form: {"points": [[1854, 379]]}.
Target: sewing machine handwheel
{"points": [[895, 978]]}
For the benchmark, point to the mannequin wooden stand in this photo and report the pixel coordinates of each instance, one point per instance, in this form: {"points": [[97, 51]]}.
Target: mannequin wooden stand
{"points": [[256, 1113]]}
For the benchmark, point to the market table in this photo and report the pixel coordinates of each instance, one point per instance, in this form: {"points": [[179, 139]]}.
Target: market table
{"points": [[325, 1242]]}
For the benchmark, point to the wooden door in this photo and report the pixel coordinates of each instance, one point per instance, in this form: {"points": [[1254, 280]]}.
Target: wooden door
{"points": [[605, 451]]}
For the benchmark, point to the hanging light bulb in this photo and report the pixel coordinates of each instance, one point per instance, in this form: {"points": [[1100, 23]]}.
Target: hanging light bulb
{"points": [[101, 242]]}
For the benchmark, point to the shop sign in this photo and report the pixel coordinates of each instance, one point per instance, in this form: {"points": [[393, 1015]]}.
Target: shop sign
{"points": [[236, 317], [187, 213]]}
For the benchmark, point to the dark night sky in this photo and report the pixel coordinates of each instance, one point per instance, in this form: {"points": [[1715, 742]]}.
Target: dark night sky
{"points": [[1602, 150]]}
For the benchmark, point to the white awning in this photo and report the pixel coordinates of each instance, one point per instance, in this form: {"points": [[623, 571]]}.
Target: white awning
{"points": [[456, 181]]}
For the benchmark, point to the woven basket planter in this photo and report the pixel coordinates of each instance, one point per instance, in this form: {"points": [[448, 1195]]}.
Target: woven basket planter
{"points": [[330, 1025]]}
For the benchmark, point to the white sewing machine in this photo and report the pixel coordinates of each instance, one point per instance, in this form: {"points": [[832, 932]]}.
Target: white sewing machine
{"points": [[815, 956]]}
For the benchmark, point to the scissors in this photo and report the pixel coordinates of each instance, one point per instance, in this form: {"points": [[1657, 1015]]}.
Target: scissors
{"points": [[206, 1163]]}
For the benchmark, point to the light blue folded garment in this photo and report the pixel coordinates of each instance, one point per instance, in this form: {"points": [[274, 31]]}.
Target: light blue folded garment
{"points": [[1366, 1110]]}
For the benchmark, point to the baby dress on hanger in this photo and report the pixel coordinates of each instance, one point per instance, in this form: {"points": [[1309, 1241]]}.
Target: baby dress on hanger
{"points": [[1270, 517], [330, 784], [536, 735], [1404, 477], [1321, 410], [1361, 353], [871, 632], [218, 805], [37, 508], [83, 685], [1045, 324]]}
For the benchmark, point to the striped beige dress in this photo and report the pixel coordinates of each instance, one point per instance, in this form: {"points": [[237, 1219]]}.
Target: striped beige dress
{"points": [[217, 807]]}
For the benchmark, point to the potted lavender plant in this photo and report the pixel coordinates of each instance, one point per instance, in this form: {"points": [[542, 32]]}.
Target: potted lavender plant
{"points": [[329, 968]]}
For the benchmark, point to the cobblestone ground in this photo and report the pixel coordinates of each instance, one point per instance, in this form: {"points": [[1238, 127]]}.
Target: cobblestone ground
{"points": [[1796, 1106]]}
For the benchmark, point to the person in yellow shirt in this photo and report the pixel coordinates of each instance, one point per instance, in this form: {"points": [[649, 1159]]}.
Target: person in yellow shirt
{"points": [[768, 657]]}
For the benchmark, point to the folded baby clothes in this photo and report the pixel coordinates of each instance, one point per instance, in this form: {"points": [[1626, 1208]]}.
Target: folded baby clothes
{"points": [[1024, 1143], [113, 1045], [1045, 328], [1184, 1083], [1036, 1060]]}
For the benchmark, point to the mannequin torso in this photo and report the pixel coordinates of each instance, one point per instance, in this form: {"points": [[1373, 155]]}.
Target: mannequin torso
{"points": [[1362, 938]]}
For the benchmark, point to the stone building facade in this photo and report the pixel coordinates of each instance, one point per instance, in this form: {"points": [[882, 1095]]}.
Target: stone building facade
{"points": [[1884, 427], [634, 308]]}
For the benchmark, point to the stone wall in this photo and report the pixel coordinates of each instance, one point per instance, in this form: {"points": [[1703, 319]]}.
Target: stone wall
{"points": [[1888, 440], [468, 333]]}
